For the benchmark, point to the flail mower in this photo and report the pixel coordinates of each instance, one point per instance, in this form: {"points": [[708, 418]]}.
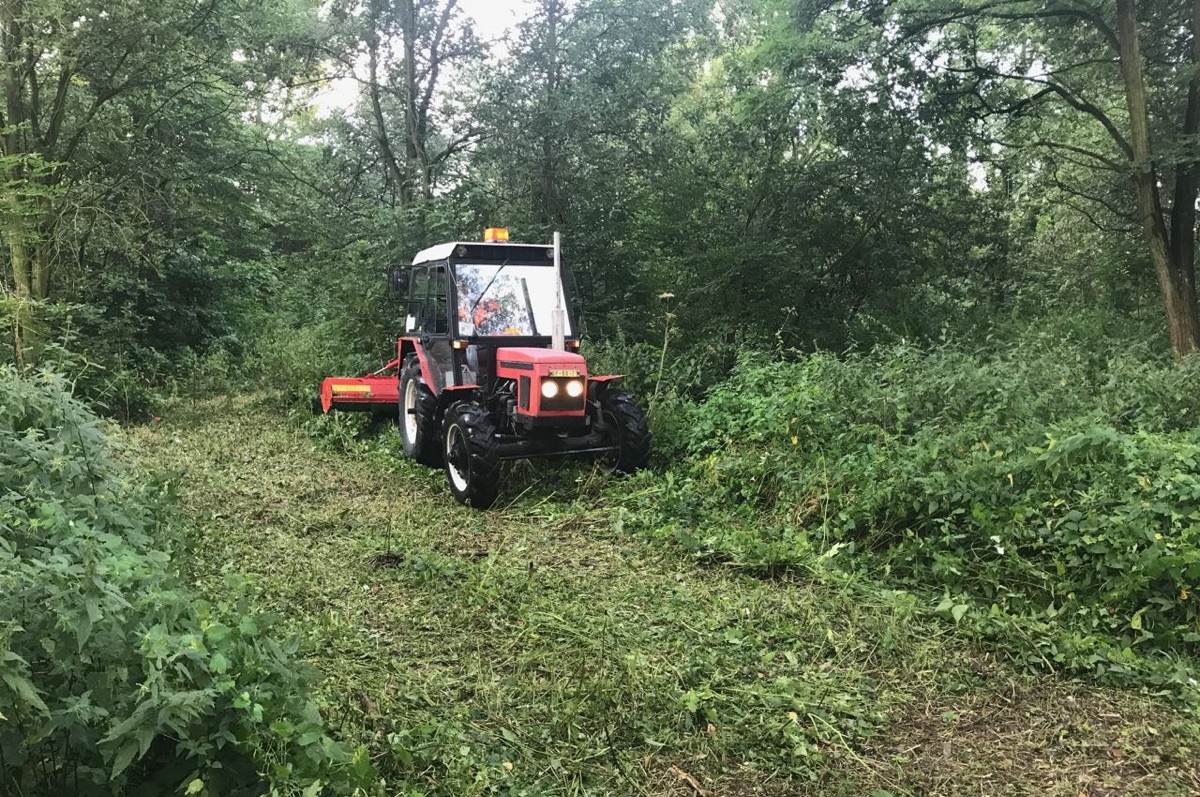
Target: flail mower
{"points": [[488, 370]]}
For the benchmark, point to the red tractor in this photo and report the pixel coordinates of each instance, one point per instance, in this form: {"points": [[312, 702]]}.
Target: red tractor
{"points": [[488, 370]]}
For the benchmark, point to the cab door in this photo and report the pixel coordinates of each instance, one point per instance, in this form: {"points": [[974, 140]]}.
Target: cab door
{"points": [[418, 289], [430, 319]]}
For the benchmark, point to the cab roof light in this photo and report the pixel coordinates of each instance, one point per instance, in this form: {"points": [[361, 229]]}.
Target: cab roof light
{"points": [[495, 235]]}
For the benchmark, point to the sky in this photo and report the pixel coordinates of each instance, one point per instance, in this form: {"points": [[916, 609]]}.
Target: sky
{"points": [[491, 18]]}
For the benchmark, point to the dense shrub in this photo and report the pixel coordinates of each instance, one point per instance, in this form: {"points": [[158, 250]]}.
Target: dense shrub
{"points": [[1039, 480], [116, 375], [114, 678]]}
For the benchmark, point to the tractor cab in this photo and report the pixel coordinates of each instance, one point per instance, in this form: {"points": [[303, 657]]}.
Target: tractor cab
{"points": [[463, 301], [487, 369]]}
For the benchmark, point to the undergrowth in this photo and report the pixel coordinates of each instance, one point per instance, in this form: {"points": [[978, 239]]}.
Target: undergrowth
{"points": [[1043, 494], [542, 649], [1047, 495], [114, 678]]}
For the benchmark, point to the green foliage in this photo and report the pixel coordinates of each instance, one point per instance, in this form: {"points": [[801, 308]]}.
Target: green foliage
{"points": [[113, 676], [115, 374], [794, 175], [478, 653], [542, 649], [1040, 480]]}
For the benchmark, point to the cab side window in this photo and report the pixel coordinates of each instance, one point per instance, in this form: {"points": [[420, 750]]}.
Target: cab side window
{"points": [[437, 307], [417, 294]]}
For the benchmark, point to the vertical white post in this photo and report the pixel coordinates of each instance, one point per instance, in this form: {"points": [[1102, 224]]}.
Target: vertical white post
{"points": [[558, 323]]}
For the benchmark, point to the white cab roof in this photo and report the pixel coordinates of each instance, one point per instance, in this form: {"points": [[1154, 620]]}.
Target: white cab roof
{"points": [[443, 251]]}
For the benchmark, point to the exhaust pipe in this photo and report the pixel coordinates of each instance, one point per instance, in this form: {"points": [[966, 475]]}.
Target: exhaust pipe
{"points": [[558, 322]]}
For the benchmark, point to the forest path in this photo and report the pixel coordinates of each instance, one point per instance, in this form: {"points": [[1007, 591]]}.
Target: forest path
{"points": [[540, 650]]}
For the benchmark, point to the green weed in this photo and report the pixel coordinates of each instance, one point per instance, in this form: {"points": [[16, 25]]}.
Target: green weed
{"points": [[1042, 486], [113, 676]]}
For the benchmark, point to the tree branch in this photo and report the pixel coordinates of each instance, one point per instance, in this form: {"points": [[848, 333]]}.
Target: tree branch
{"points": [[994, 11], [435, 61], [1065, 94], [1095, 223], [1116, 211]]}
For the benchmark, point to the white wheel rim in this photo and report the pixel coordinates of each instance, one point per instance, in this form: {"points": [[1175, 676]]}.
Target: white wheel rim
{"points": [[410, 414], [457, 477]]}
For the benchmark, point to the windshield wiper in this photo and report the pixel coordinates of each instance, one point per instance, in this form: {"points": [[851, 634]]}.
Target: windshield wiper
{"points": [[486, 288]]}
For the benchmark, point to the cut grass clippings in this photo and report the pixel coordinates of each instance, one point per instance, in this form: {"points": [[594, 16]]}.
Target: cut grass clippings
{"points": [[538, 650]]}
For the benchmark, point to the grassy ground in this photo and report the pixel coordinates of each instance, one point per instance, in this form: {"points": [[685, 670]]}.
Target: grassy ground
{"points": [[539, 650]]}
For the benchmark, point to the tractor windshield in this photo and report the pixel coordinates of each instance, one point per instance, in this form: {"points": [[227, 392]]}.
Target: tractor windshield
{"points": [[508, 299]]}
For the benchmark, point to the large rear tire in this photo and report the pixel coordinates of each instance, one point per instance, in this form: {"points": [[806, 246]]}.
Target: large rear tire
{"points": [[472, 456], [627, 429], [418, 416]]}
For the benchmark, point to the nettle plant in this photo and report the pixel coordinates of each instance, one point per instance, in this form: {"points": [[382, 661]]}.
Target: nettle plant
{"points": [[1042, 480], [114, 678]]}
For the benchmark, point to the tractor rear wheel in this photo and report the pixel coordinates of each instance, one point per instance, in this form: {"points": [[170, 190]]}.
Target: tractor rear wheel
{"points": [[472, 456], [627, 430], [418, 416]]}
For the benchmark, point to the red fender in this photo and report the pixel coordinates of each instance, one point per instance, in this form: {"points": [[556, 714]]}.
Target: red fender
{"points": [[405, 346]]}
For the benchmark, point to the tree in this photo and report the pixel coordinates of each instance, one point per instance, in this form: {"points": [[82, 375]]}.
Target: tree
{"points": [[410, 47], [575, 118], [88, 82], [1033, 63]]}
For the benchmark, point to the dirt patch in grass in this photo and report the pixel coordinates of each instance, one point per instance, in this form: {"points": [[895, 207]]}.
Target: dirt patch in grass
{"points": [[1017, 735]]}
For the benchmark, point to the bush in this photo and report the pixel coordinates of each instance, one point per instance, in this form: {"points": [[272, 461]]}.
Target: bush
{"points": [[116, 376], [1039, 480], [114, 678]]}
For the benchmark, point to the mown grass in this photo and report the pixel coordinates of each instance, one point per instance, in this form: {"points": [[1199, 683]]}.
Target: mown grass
{"points": [[542, 650]]}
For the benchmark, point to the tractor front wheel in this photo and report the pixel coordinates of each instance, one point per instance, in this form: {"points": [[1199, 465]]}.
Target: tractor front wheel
{"points": [[627, 431], [418, 416], [472, 456]]}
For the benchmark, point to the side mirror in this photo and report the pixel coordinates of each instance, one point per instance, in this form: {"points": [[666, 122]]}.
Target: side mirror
{"points": [[399, 278]]}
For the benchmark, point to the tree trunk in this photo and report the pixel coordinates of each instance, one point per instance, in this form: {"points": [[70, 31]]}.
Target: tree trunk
{"points": [[550, 209], [1183, 204], [39, 271], [1174, 280], [413, 144], [18, 256], [391, 166]]}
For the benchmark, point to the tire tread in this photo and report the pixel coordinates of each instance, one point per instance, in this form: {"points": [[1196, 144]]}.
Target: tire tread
{"points": [[635, 430], [428, 448], [483, 484]]}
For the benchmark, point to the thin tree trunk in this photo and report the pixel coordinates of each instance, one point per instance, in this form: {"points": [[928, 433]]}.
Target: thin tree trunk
{"points": [[1178, 295], [39, 271], [549, 154], [1183, 205], [18, 256], [414, 122], [391, 167]]}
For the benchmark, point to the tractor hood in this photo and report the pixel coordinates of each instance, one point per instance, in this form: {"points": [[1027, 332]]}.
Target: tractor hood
{"points": [[540, 357], [550, 383]]}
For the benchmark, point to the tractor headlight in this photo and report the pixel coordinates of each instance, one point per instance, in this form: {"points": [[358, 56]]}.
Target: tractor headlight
{"points": [[575, 388], [549, 389]]}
